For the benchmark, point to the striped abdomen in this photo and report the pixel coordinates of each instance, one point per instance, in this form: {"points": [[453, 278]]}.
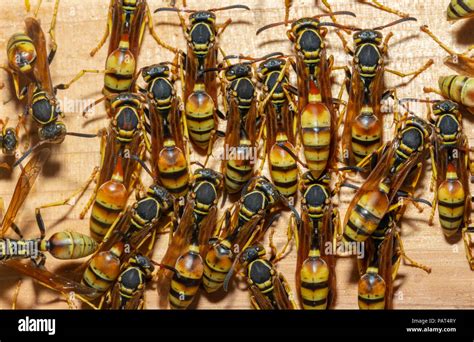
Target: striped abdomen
{"points": [[459, 9], [238, 171], [21, 52], [110, 200], [316, 136], [173, 169], [458, 88], [187, 278], [69, 245], [283, 168], [103, 269], [451, 203], [371, 291], [123, 64], [200, 117], [314, 276], [217, 264], [366, 215], [366, 134]]}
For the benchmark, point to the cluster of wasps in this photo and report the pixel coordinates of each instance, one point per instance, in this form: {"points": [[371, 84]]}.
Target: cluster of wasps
{"points": [[157, 127]]}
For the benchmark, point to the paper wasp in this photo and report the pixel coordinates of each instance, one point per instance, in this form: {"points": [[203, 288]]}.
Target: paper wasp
{"points": [[126, 23], [315, 269], [182, 265], [240, 105], [318, 120], [59, 245], [128, 291], [29, 64], [268, 288], [363, 120], [451, 168], [200, 89], [397, 160], [118, 172], [255, 212], [278, 126], [378, 270], [168, 146]]}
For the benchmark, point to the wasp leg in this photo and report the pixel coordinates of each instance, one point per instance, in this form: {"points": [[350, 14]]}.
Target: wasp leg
{"points": [[426, 30], [15, 295], [53, 44], [287, 9], [289, 234], [415, 73], [37, 8], [75, 196], [384, 8], [81, 73], [155, 35], [223, 27], [107, 30], [412, 263]]}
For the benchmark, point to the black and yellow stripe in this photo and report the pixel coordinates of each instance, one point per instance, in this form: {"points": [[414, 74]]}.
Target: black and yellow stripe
{"points": [[187, 278], [283, 167], [21, 52], [459, 9], [103, 269]]}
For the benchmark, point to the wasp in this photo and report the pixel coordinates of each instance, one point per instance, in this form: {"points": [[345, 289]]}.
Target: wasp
{"points": [[383, 253], [183, 265], [363, 120], [200, 89], [269, 289], [278, 127], [256, 210], [376, 196], [315, 270], [62, 245], [117, 174], [460, 9], [450, 164], [168, 147], [126, 23], [128, 291], [28, 58]]}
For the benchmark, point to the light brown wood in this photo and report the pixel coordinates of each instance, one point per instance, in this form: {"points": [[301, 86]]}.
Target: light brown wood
{"points": [[80, 25]]}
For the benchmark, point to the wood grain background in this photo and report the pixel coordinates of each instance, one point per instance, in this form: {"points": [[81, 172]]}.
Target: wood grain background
{"points": [[80, 25]]}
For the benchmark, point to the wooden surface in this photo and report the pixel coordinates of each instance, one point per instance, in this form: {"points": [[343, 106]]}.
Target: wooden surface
{"points": [[80, 25]]}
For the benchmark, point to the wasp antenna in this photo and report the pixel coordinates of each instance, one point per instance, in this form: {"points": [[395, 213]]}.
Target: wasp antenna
{"points": [[396, 22], [28, 152], [269, 26], [229, 8], [330, 14], [173, 9], [342, 27]]}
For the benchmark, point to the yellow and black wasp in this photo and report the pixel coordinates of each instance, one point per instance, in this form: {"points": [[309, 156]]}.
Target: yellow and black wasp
{"points": [[451, 168], [268, 288], [199, 88], [168, 146], [363, 119], [255, 212], [183, 265], [315, 267], [395, 167], [126, 23]]}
